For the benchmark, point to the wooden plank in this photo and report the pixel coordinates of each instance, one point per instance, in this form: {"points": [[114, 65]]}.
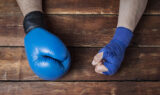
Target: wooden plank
{"points": [[81, 30], [92, 7], [139, 64], [80, 88], [77, 7]]}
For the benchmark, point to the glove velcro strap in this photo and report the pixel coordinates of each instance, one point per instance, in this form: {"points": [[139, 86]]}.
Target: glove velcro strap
{"points": [[32, 20]]}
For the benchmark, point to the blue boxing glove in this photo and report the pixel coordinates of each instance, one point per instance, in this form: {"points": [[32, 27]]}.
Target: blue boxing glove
{"points": [[47, 55], [113, 53]]}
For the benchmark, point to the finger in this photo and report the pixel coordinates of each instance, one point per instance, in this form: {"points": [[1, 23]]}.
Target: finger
{"points": [[100, 68], [97, 58]]}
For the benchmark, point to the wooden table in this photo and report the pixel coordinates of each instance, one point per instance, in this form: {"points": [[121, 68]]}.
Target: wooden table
{"points": [[85, 26]]}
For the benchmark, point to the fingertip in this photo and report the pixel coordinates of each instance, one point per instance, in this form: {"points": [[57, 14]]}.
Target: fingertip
{"points": [[97, 71], [100, 68], [97, 58], [93, 63]]}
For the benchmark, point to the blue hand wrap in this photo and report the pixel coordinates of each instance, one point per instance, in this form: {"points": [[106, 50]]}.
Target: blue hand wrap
{"points": [[113, 53]]}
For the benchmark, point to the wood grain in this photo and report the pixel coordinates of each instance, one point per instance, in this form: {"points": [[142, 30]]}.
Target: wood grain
{"points": [[82, 30], [84, 25], [77, 7], [139, 64], [80, 88]]}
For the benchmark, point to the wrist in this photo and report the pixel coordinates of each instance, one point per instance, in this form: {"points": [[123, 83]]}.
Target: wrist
{"points": [[123, 35], [33, 20]]}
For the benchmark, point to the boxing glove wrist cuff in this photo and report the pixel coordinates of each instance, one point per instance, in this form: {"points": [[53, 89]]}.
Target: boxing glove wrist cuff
{"points": [[32, 20], [123, 35]]}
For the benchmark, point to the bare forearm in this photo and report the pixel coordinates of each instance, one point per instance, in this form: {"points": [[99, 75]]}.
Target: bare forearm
{"points": [[27, 6], [130, 12]]}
